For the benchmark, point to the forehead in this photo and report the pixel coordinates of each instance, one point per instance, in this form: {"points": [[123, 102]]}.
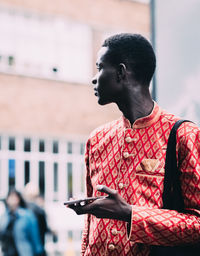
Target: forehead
{"points": [[12, 195], [101, 55]]}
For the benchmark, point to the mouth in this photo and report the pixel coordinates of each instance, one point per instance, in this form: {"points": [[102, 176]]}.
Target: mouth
{"points": [[95, 92]]}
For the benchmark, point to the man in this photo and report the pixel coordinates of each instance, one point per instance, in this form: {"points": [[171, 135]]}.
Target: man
{"points": [[125, 160]]}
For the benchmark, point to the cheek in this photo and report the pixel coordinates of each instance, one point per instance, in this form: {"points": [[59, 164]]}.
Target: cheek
{"points": [[101, 82], [105, 81]]}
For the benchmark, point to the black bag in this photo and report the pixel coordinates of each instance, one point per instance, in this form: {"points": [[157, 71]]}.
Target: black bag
{"points": [[173, 199]]}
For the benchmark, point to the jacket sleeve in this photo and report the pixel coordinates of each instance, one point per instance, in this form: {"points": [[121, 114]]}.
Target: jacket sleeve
{"points": [[35, 236], [85, 235], [169, 227], [26, 234]]}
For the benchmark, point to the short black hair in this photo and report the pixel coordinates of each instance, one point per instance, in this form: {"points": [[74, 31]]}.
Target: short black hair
{"points": [[135, 52]]}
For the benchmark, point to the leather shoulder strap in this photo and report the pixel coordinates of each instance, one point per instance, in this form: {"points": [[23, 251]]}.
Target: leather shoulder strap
{"points": [[172, 195]]}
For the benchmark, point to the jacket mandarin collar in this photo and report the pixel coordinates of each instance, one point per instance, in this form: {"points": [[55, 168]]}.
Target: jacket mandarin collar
{"points": [[144, 121]]}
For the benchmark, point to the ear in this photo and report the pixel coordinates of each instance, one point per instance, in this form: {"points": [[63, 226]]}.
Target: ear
{"points": [[121, 72]]}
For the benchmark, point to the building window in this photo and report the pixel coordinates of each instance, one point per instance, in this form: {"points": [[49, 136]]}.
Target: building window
{"points": [[41, 146], [26, 172], [27, 145], [70, 235], [55, 177], [42, 177], [11, 173], [11, 143], [82, 148], [11, 60], [55, 147], [69, 148], [69, 179]]}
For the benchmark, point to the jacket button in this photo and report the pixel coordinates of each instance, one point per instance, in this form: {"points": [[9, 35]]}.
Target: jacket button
{"points": [[128, 139], [125, 154], [114, 232], [121, 185], [111, 247]]}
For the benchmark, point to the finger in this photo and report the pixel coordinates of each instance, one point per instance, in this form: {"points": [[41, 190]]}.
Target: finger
{"points": [[76, 207], [107, 190], [80, 209]]}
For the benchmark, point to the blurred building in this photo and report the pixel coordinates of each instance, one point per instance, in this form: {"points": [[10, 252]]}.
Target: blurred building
{"points": [[47, 105]]}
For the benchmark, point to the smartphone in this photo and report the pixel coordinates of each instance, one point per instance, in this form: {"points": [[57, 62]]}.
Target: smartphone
{"points": [[83, 201]]}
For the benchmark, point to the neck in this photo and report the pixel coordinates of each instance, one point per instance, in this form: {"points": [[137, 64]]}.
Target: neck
{"points": [[136, 103]]}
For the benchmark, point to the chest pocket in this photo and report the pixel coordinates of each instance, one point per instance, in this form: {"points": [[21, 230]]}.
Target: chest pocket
{"points": [[150, 167]]}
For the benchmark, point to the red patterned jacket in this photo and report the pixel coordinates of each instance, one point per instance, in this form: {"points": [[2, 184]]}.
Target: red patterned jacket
{"points": [[131, 160]]}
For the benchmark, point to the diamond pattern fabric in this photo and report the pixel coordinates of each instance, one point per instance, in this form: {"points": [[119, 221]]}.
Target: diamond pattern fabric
{"points": [[131, 160]]}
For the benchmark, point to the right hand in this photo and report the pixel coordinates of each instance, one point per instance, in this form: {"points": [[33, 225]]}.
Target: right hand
{"points": [[112, 206]]}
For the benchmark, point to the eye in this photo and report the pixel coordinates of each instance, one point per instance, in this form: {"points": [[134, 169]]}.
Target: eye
{"points": [[99, 67]]}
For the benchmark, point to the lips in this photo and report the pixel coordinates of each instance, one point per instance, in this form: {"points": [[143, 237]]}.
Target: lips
{"points": [[95, 92]]}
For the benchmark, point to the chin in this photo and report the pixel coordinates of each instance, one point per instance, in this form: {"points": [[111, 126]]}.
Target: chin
{"points": [[102, 103]]}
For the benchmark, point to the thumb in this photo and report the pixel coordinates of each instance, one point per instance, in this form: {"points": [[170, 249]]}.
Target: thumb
{"points": [[107, 190]]}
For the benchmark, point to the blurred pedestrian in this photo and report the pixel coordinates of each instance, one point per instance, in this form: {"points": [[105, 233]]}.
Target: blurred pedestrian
{"points": [[19, 233], [35, 204]]}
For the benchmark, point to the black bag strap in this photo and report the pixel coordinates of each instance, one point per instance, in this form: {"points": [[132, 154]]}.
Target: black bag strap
{"points": [[172, 195]]}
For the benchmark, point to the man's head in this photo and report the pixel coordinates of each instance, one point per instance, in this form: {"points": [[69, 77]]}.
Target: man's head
{"points": [[135, 52], [123, 58]]}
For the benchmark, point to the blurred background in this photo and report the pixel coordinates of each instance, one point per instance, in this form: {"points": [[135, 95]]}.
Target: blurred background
{"points": [[48, 109]]}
